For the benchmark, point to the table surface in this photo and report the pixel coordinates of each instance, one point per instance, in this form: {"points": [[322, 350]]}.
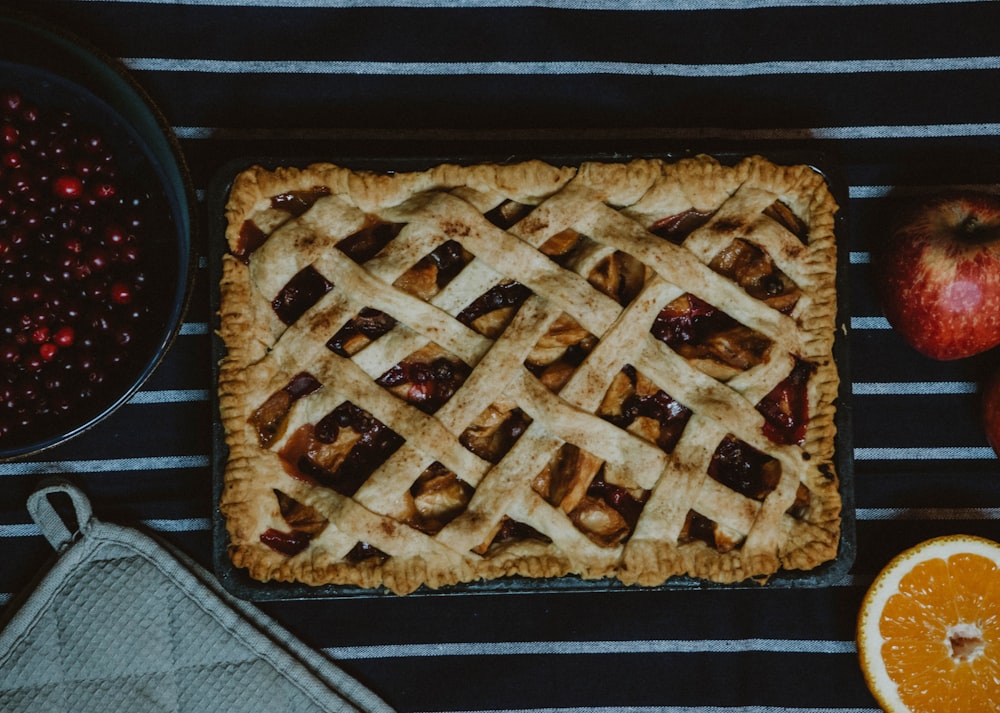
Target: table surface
{"points": [[901, 98]]}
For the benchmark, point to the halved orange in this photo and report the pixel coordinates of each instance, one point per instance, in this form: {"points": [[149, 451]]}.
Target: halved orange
{"points": [[929, 628]]}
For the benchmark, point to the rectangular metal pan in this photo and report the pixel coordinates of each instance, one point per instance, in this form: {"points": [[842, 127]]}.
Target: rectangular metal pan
{"points": [[241, 585]]}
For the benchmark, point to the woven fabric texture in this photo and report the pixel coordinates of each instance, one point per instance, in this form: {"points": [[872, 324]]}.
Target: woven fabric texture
{"points": [[121, 624]]}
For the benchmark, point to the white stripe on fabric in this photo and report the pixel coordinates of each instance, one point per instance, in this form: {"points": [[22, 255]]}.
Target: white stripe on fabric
{"points": [[928, 453], [169, 396], [870, 323], [883, 191], [193, 328], [913, 388], [557, 68], [548, 648], [842, 133], [28, 529], [189, 524], [911, 514], [104, 466], [860, 258]]}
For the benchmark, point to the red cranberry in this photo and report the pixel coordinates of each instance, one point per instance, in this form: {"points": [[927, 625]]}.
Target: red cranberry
{"points": [[121, 293], [64, 336], [67, 187], [72, 298]]}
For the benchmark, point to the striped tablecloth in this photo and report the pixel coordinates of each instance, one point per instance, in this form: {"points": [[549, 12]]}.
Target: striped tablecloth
{"points": [[901, 97]]}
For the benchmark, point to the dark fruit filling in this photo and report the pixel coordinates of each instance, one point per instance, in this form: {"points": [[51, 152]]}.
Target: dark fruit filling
{"points": [[73, 284], [699, 527], [510, 531], [671, 416], [363, 552], [697, 330], [506, 294], [426, 385], [786, 408], [677, 227], [251, 238], [739, 466], [340, 451], [286, 543], [448, 258], [295, 203], [301, 293], [507, 214], [369, 325], [305, 522], [365, 244]]}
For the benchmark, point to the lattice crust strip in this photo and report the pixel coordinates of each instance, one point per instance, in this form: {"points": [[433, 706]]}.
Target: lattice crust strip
{"points": [[612, 370]]}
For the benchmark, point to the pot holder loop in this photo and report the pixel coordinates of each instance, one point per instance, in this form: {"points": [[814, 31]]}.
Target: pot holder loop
{"points": [[53, 526]]}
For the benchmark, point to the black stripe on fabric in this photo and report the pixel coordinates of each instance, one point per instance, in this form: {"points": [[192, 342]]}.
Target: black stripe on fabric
{"points": [[577, 101], [533, 34]]}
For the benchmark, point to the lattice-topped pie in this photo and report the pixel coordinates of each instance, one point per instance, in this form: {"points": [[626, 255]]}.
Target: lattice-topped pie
{"points": [[610, 370]]}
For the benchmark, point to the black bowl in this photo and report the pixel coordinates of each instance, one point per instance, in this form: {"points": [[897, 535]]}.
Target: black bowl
{"points": [[57, 72]]}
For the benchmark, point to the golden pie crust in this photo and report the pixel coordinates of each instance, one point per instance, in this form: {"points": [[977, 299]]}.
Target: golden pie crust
{"points": [[561, 433]]}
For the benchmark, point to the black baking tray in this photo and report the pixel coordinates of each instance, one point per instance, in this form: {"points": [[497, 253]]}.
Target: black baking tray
{"points": [[240, 584]]}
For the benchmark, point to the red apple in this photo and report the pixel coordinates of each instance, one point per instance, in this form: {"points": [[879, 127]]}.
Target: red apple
{"points": [[991, 410], [939, 275]]}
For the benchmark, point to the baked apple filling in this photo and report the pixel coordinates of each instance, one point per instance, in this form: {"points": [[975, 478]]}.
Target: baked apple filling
{"points": [[618, 275], [507, 532], [721, 346], [436, 498], [566, 478], [341, 450], [495, 431], [574, 482], [753, 270], [269, 418], [435, 270], [560, 352], [635, 403], [785, 216]]}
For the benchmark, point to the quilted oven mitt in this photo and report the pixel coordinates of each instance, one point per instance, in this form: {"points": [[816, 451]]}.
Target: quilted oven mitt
{"points": [[121, 623]]}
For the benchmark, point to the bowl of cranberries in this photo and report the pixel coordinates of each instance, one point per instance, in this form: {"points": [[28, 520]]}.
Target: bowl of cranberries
{"points": [[95, 251]]}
